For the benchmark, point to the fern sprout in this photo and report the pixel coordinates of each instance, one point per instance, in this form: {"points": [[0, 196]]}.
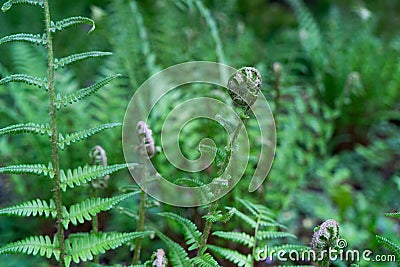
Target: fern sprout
{"points": [[325, 238], [146, 140], [99, 157]]}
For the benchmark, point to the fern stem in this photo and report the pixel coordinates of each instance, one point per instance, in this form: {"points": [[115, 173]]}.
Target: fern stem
{"points": [[54, 134], [207, 229], [142, 213]]}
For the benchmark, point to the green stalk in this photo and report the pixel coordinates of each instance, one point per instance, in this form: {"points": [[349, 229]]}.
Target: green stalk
{"points": [[54, 135], [142, 214]]}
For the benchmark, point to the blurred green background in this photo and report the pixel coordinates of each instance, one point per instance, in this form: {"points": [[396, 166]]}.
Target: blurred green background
{"points": [[334, 92]]}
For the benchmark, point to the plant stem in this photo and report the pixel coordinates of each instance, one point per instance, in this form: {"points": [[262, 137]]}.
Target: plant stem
{"points": [[207, 229], [54, 134], [95, 227], [140, 221]]}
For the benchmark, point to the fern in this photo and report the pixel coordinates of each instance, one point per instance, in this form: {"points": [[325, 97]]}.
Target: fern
{"points": [[83, 246], [28, 79], [7, 5], [26, 128], [62, 62], [36, 169], [31, 208], [190, 231], [36, 39], [32, 246], [90, 207], [390, 245], [237, 237], [81, 135], [71, 21], [81, 175], [273, 235], [393, 214], [177, 255], [84, 92], [204, 260], [232, 255]]}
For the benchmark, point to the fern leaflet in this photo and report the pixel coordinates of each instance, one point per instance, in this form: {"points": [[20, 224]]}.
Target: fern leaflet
{"points": [[177, 255], [26, 128], [90, 207], [71, 21], [7, 5], [31, 208], [32, 246], [261, 235], [25, 37], [237, 237], [233, 256], [83, 175], [190, 231], [394, 248], [28, 79], [204, 260], [80, 135], [62, 62], [29, 169], [84, 92], [83, 246], [393, 214]]}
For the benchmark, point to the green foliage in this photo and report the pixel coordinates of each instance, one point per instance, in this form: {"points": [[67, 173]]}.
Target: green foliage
{"points": [[23, 78], [177, 255], [26, 128], [25, 37], [232, 255], [204, 260], [36, 207], [84, 92], [7, 5], [62, 62], [71, 21], [390, 245], [36, 169]]}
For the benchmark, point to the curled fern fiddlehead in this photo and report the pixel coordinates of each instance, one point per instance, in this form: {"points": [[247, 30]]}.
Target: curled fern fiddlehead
{"points": [[326, 237]]}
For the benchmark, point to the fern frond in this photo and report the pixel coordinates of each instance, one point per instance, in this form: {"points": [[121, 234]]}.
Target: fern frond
{"points": [[36, 169], [84, 92], [204, 260], [245, 218], [237, 237], [7, 5], [31, 208], [261, 235], [232, 255], [71, 21], [81, 175], [80, 135], [62, 62], [23, 78], [390, 245], [32, 246], [177, 255], [26, 128], [83, 246], [190, 231], [256, 209], [90, 207], [288, 248], [393, 214], [36, 39]]}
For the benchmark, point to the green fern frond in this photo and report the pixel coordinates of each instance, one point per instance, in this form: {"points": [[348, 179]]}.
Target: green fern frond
{"points": [[393, 214], [177, 255], [31, 208], [261, 235], [80, 135], [36, 169], [71, 21], [81, 175], [390, 245], [28, 79], [32, 246], [26, 128], [90, 207], [25, 37], [83, 246], [7, 5], [232, 255], [245, 218], [237, 237], [288, 248], [190, 182], [190, 231], [256, 209], [204, 260], [84, 92], [62, 62]]}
